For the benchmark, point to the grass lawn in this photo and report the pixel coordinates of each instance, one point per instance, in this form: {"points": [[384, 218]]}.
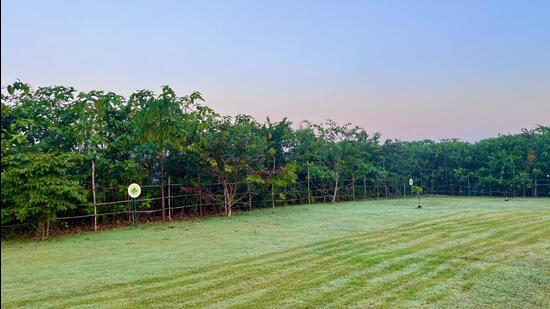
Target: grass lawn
{"points": [[465, 252]]}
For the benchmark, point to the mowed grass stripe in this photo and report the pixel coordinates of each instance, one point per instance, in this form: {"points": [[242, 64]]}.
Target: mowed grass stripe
{"points": [[277, 257], [217, 287], [252, 272], [441, 266], [318, 279], [524, 242], [364, 280], [316, 271], [329, 248]]}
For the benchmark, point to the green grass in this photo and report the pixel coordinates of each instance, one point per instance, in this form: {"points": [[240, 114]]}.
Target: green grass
{"points": [[455, 252]]}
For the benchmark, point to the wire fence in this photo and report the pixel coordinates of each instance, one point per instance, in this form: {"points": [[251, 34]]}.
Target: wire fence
{"points": [[184, 199]]}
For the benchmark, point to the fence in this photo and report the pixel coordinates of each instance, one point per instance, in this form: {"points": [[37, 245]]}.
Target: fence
{"points": [[184, 199]]}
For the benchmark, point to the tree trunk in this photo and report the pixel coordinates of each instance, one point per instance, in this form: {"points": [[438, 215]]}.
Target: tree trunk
{"points": [[335, 189], [42, 230], [535, 192], [225, 197], [162, 207], [45, 230], [94, 195], [229, 206]]}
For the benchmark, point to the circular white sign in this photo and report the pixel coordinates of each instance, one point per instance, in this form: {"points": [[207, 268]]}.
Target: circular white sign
{"points": [[411, 182], [134, 190]]}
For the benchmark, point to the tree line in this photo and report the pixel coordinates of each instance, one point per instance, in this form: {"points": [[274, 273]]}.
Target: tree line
{"points": [[65, 151]]}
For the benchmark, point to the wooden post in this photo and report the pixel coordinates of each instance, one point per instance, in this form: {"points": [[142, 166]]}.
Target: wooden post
{"points": [[249, 199], [469, 192], [162, 201], [200, 195], [47, 228], [364, 187], [308, 186], [169, 201], [94, 195], [272, 195], [353, 187], [535, 192]]}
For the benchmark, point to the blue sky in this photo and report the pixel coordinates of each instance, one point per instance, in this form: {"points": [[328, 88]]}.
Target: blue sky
{"points": [[410, 69]]}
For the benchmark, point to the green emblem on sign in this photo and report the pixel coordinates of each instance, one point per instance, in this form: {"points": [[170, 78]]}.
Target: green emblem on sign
{"points": [[134, 190]]}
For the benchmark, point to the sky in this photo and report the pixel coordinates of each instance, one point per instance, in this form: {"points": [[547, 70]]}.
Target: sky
{"points": [[408, 69]]}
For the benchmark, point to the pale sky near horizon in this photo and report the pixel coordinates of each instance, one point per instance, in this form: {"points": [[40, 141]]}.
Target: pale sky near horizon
{"points": [[409, 69]]}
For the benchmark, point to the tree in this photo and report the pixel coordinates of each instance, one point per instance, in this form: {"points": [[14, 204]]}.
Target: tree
{"points": [[113, 142], [233, 150], [37, 186], [161, 123], [417, 190]]}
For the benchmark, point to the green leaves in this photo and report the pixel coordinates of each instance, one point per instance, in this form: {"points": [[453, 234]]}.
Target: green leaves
{"points": [[50, 135], [39, 185]]}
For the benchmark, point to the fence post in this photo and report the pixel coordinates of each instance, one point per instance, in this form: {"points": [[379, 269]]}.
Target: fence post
{"points": [[364, 187], [249, 199], [353, 187], [169, 200], [469, 192], [94, 195], [308, 186], [272, 195], [200, 195]]}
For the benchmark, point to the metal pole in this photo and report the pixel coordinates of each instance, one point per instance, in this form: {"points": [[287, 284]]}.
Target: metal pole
{"points": [[134, 206]]}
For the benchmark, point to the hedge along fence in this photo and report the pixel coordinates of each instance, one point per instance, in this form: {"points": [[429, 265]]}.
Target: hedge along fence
{"points": [[183, 199]]}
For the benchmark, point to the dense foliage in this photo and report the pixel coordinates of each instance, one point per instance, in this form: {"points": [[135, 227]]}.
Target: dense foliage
{"points": [[62, 148]]}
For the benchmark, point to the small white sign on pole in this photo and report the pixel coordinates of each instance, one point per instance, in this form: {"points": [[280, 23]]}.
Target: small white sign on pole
{"points": [[134, 190], [411, 182]]}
